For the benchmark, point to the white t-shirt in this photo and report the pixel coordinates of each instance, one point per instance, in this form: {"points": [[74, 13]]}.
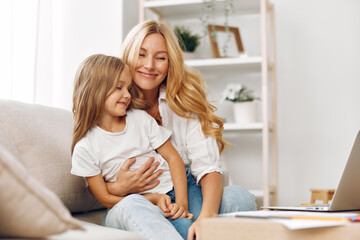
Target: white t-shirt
{"points": [[104, 152], [199, 152]]}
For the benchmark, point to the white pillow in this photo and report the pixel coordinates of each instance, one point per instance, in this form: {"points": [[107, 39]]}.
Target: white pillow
{"points": [[27, 208]]}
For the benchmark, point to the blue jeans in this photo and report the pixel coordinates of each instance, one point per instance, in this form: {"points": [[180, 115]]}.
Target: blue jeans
{"points": [[136, 214], [235, 198]]}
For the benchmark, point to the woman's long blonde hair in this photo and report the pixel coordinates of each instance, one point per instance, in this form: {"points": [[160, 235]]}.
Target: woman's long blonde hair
{"points": [[185, 86], [95, 80]]}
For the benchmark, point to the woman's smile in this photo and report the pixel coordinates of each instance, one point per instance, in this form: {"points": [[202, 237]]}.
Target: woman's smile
{"points": [[148, 75]]}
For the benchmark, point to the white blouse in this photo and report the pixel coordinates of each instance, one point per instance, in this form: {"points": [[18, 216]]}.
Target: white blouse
{"points": [[199, 153]]}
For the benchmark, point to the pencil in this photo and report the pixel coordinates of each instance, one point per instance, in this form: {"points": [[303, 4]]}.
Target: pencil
{"points": [[318, 218]]}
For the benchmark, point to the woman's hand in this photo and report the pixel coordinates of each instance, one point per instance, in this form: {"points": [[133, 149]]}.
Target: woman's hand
{"points": [[194, 230], [133, 181]]}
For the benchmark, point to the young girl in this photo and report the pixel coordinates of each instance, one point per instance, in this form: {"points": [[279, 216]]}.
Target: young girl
{"points": [[107, 132]]}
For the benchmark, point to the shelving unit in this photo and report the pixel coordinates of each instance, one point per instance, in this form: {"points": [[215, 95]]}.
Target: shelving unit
{"points": [[263, 64], [166, 8], [250, 126]]}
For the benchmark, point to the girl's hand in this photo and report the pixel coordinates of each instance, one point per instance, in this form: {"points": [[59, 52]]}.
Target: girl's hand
{"points": [[163, 201], [179, 211], [173, 210], [133, 181]]}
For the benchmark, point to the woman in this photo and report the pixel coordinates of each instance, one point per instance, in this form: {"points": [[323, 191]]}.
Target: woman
{"points": [[178, 102]]}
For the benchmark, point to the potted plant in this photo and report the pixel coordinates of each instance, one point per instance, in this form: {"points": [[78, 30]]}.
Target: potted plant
{"points": [[245, 106], [188, 41]]}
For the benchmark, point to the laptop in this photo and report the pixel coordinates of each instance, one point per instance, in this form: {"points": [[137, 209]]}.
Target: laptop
{"points": [[347, 194]]}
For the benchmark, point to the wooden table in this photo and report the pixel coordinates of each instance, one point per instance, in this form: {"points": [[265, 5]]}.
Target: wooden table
{"points": [[223, 228]]}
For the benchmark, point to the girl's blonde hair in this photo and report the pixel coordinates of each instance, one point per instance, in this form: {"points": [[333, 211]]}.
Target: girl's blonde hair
{"points": [[185, 86], [95, 80]]}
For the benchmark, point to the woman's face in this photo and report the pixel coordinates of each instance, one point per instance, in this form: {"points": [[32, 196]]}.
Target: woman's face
{"points": [[152, 65]]}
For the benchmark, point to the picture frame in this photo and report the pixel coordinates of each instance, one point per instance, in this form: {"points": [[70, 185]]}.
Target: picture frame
{"points": [[217, 35]]}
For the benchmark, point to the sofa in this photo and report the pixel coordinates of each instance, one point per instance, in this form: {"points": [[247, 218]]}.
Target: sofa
{"points": [[39, 197]]}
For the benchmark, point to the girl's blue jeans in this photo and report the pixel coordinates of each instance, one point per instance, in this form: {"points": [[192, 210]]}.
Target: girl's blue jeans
{"points": [[136, 214]]}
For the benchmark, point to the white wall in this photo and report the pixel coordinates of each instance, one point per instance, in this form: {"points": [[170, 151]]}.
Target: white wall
{"points": [[318, 85], [17, 49], [69, 32]]}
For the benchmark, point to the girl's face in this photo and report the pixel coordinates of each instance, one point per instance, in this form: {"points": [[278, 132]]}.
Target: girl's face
{"points": [[152, 65], [118, 101]]}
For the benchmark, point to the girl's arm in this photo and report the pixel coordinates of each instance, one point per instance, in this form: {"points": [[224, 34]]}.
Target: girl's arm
{"points": [[98, 188], [177, 170]]}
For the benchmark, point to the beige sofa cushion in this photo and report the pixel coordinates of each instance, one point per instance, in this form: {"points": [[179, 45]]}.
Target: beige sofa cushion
{"points": [[96, 232], [28, 209], [41, 138]]}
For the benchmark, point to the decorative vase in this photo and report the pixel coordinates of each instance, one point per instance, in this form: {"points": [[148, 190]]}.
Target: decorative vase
{"points": [[245, 112], [189, 55]]}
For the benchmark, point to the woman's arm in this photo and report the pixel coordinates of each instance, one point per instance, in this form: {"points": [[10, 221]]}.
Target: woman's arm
{"points": [[133, 181], [178, 174], [212, 189]]}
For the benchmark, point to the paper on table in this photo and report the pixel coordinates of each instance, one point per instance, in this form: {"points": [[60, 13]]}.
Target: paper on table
{"points": [[293, 224]]}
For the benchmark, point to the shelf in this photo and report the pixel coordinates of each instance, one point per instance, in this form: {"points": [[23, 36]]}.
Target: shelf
{"points": [[169, 3], [237, 126], [210, 62], [240, 64], [170, 8]]}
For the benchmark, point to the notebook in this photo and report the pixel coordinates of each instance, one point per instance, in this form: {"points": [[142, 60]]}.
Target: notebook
{"points": [[347, 194]]}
